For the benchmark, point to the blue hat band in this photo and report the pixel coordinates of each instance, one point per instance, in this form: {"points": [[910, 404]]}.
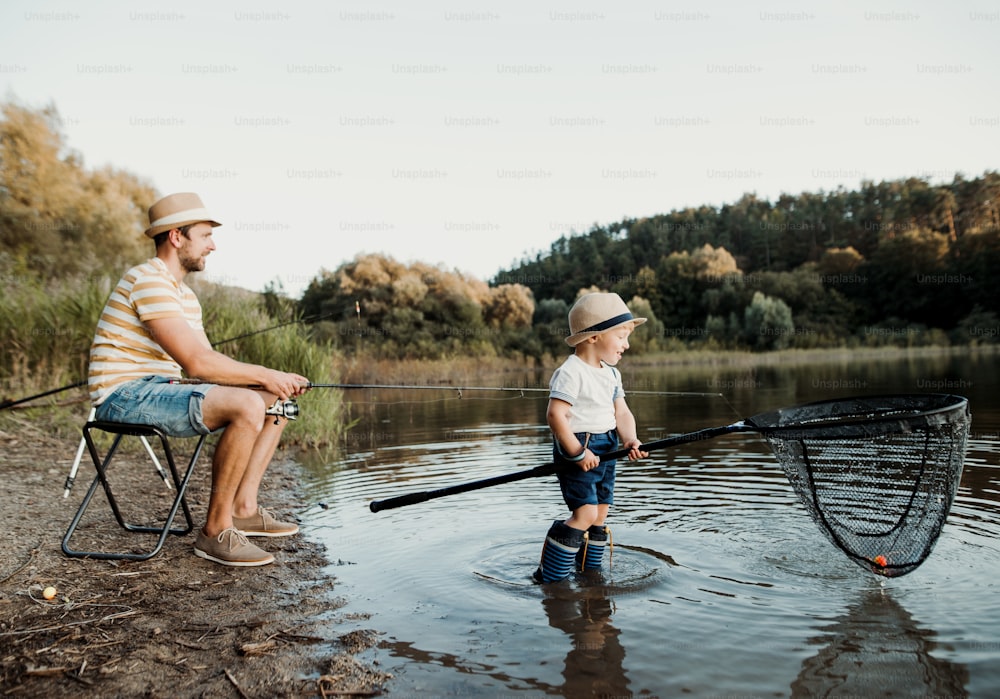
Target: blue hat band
{"points": [[610, 323]]}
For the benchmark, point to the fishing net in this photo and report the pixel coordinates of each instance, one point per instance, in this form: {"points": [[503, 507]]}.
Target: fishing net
{"points": [[877, 474]]}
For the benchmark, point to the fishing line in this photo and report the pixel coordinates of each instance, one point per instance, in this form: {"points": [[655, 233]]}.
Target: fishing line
{"points": [[537, 393], [430, 401], [512, 389]]}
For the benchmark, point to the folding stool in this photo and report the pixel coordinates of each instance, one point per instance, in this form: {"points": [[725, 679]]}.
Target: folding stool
{"points": [[120, 430]]}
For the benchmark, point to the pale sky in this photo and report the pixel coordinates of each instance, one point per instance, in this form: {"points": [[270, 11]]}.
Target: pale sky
{"points": [[472, 134]]}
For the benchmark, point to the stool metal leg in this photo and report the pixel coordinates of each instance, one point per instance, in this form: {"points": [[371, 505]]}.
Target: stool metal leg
{"points": [[71, 477], [101, 479]]}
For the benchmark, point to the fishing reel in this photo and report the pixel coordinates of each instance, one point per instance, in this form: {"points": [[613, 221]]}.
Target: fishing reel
{"points": [[287, 409]]}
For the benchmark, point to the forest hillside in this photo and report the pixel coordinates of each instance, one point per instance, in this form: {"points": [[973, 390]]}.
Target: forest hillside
{"points": [[903, 262]]}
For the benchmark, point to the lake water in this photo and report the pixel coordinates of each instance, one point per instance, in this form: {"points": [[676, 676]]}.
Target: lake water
{"points": [[720, 584]]}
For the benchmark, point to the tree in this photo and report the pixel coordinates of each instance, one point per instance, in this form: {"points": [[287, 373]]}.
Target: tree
{"points": [[839, 262], [713, 264], [55, 215], [767, 323], [908, 279], [417, 310], [509, 306], [550, 324], [974, 266]]}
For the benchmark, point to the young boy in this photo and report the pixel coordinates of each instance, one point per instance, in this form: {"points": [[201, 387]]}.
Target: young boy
{"points": [[588, 415]]}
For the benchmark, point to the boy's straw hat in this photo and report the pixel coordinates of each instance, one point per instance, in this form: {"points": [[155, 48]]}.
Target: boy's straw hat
{"points": [[594, 314], [176, 211]]}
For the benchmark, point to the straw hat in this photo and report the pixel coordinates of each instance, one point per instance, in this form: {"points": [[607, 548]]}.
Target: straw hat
{"points": [[176, 211], [594, 314]]}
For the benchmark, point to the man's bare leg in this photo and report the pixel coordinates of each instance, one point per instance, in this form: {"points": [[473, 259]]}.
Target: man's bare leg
{"points": [[245, 499], [240, 411]]}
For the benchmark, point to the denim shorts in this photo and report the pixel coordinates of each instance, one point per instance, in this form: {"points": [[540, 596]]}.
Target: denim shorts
{"points": [[153, 400], [594, 487]]}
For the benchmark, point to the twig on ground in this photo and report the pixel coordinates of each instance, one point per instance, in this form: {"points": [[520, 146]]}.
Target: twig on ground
{"points": [[31, 557], [45, 629], [239, 690]]}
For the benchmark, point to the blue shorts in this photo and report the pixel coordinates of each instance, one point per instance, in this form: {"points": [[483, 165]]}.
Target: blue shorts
{"points": [[594, 487], [152, 400]]}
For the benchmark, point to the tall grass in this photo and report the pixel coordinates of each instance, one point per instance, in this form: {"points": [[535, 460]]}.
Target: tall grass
{"points": [[235, 319], [46, 328]]}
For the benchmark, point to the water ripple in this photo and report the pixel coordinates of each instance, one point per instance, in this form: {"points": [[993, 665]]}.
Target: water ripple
{"points": [[716, 561]]}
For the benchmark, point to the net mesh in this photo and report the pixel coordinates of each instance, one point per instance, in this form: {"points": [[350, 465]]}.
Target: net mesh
{"points": [[877, 474]]}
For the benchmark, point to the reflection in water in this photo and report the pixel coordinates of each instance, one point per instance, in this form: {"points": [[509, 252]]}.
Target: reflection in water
{"points": [[595, 663], [744, 568], [472, 669], [876, 649]]}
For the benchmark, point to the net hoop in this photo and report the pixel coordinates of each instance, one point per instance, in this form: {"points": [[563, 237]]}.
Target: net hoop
{"points": [[878, 474], [862, 417]]}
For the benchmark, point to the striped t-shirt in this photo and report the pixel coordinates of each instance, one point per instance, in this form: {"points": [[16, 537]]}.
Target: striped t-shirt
{"points": [[123, 349]]}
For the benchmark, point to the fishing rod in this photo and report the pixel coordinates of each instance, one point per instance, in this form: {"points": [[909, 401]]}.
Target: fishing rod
{"points": [[11, 403], [513, 389], [307, 319]]}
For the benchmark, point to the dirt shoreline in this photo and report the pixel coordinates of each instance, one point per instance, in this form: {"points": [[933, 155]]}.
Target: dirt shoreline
{"points": [[173, 626]]}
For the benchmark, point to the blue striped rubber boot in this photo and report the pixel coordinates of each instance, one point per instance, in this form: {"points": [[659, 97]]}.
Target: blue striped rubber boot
{"points": [[591, 555], [558, 553]]}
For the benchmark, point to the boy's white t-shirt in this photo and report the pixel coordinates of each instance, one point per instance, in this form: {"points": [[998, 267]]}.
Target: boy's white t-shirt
{"points": [[590, 390]]}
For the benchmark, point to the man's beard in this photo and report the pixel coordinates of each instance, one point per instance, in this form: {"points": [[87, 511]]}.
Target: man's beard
{"points": [[191, 264]]}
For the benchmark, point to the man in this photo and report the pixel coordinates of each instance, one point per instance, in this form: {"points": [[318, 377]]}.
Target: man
{"points": [[150, 332]]}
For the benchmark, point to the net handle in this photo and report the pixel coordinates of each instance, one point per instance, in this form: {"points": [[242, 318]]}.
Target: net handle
{"points": [[752, 424], [550, 468], [697, 436]]}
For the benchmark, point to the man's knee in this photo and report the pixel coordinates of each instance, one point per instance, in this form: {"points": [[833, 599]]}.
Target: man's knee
{"points": [[235, 407]]}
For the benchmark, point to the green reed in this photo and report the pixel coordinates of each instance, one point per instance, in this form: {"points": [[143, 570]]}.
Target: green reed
{"points": [[46, 328]]}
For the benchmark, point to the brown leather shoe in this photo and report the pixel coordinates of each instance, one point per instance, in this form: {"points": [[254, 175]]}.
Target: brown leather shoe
{"points": [[230, 548], [264, 524]]}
